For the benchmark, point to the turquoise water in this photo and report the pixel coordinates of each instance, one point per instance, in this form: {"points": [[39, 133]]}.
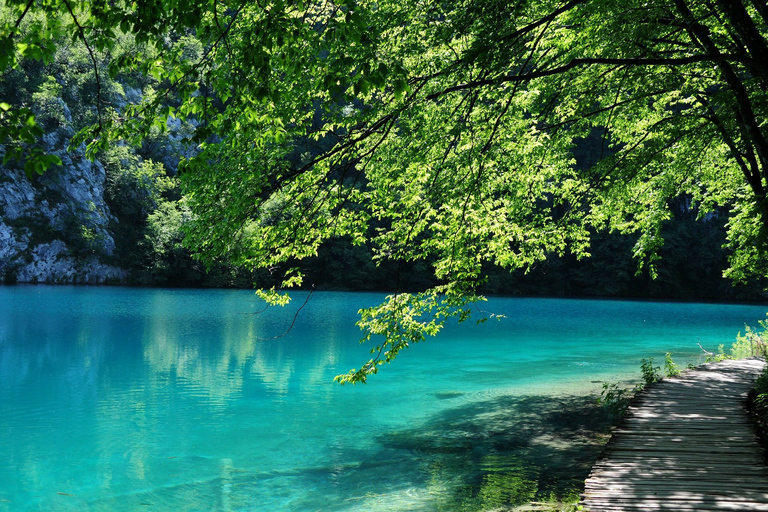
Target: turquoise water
{"points": [[121, 399]]}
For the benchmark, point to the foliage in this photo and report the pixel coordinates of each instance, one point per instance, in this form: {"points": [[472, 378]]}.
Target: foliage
{"points": [[751, 343], [670, 368], [761, 386], [17, 127], [649, 372], [134, 186], [615, 398], [49, 107], [757, 405], [82, 240], [720, 355], [403, 319], [436, 132], [163, 242]]}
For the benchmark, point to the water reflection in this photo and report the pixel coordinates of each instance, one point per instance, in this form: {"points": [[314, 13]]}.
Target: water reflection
{"points": [[128, 399], [211, 366], [215, 352], [272, 368]]}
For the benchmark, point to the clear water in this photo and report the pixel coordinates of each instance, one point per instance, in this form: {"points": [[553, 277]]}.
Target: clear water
{"points": [[121, 399]]}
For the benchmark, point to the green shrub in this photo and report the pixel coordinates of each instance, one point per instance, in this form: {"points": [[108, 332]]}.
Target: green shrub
{"points": [[650, 373], [761, 386], [719, 356], [48, 104], [751, 343], [670, 368], [134, 187], [615, 399]]}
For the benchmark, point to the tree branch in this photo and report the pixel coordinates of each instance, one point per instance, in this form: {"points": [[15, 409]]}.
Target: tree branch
{"points": [[742, 22], [543, 20], [762, 7], [20, 18], [753, 176], [575, 63], [81, 32], [748, 122]]}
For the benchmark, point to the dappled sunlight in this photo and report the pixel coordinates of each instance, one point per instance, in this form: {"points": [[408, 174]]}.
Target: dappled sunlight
{"points": [[518, 447], [686, 443]]}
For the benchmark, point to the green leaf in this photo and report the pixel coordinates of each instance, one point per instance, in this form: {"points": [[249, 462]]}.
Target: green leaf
{"points": [[401, 88]]}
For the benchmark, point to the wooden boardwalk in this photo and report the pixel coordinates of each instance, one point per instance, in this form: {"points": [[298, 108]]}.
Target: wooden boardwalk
{"points": [[686, 444]]}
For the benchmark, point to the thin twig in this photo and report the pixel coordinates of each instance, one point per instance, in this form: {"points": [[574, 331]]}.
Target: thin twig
{"points": [[18, 21], [295, 318], [81, 31]]}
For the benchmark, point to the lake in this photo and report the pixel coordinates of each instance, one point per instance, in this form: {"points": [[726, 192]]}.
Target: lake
{"points": [[122, 399]]}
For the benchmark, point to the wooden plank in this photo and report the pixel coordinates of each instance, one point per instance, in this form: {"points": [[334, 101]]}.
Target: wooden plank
{"points": [[681, 431], [687, 472], [686, 476], [652, 485], [611, 506], [671, 449], [685, 444], [678, 495], [696, 437]]}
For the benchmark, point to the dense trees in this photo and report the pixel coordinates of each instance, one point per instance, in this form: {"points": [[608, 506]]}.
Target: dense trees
{"points": [[438, 131]]}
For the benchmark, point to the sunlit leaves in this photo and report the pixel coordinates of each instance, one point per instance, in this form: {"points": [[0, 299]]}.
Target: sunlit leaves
{"points": [[460, 159], [19, 131], [747, 239], [404, 319]]}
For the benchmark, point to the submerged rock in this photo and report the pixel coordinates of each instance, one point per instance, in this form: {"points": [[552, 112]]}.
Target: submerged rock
{"points": [[447, 395]]}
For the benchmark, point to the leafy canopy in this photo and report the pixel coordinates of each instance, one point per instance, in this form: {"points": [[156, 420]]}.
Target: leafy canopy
{"points": [[437, 130]]}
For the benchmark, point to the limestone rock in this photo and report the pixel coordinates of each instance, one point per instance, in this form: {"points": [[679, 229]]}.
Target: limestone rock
{"points": [[56, 227], [51, 263]]}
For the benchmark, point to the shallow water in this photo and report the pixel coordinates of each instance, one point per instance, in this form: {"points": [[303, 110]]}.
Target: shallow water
{"points": [[143, 399]]}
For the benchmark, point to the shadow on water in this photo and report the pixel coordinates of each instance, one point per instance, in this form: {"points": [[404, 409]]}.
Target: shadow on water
{"points": [[490, 454], [509, 450]]}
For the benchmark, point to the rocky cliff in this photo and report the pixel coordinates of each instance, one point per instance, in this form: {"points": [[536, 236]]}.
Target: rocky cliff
{"points": [[54, 228]]}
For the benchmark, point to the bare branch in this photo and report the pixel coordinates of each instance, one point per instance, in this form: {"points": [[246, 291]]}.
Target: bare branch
{"points": [[576, 63], [81, 32], [20, 18]]}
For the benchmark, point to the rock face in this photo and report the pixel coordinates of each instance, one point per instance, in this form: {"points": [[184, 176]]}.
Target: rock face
{"points": [[55, 227]]}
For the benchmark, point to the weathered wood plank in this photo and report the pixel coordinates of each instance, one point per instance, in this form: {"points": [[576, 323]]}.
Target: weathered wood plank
{"points": [[611, 506], [651, 486], [662, 473], [685, 444]]}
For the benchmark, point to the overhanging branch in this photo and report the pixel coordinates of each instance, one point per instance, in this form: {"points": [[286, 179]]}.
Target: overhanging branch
{"points": [[597, 61]]}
